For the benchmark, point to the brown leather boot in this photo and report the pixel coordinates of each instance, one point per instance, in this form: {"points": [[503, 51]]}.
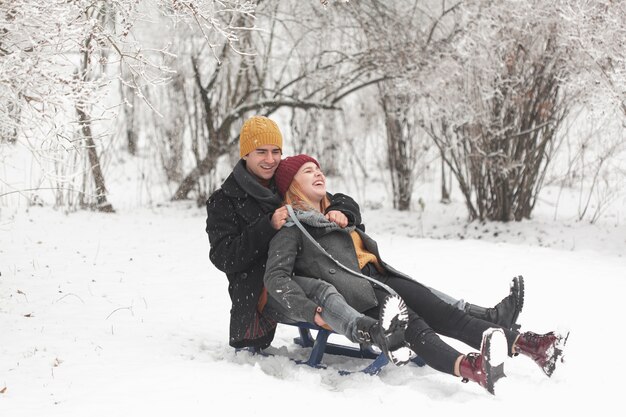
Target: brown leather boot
{"points": [[487, 367], [545, 349]]}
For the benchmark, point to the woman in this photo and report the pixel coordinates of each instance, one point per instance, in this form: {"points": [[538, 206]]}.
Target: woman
{"points": [[317, 302], [302, 183]]}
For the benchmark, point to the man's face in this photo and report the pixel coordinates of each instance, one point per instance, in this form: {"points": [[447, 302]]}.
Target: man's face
{"points": [[263, 161]]}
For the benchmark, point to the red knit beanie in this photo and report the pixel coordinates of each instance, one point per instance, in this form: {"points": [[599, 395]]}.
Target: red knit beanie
{"points": [[288, 168]]}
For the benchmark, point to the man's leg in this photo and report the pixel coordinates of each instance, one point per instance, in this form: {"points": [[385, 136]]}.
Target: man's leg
{"points": [[504, 314]]}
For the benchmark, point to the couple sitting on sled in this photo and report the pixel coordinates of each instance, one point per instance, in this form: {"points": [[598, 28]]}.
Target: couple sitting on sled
{"points": [[293, 253]]}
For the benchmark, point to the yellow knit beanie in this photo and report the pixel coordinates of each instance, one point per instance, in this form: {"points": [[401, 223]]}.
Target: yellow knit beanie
{"points": [[258, 131]]}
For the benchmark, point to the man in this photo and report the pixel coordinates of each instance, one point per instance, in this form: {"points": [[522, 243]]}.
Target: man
{"points": [[246, 212], [243, 216]]}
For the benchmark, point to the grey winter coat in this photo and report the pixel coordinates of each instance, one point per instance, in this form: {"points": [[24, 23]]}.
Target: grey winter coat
{"points": [[292, 253]]}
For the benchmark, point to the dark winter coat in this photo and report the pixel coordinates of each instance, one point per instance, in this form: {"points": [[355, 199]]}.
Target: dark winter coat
{"points": [[292, 253], [239, 228]]}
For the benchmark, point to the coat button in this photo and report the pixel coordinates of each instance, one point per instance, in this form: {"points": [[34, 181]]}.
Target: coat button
{"points": [[332, 270], [244, 275]]}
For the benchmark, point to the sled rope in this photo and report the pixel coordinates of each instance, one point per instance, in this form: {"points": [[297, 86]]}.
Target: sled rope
{"points": [[292, 214]]}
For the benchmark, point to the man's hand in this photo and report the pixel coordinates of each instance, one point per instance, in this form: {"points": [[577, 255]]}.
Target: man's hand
{"points": [[279, 218], [338, 217]]}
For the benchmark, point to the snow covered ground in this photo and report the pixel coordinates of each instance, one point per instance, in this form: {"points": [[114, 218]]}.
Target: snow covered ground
{"points": [[123, 314]]}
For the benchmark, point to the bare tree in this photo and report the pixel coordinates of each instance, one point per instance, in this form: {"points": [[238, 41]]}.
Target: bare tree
{"points": [[396, 41], [595, 33], [59, 61], [402, 155], [496, 130], [590, 161], [283, 66], [53, 56], [494, 81]]}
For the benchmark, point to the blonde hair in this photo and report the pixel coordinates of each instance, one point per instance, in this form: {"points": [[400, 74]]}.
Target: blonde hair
{"points": [[296, 198]]}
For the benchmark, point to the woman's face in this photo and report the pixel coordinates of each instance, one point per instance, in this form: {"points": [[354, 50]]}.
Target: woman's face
{"points": [[312, 181]]}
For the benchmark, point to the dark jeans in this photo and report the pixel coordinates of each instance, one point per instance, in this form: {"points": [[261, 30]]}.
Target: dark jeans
{"points": [[429, 316]]}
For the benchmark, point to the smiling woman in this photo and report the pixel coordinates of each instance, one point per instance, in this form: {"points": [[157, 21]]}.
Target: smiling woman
{"points": [[302, 175], [348, 260]]}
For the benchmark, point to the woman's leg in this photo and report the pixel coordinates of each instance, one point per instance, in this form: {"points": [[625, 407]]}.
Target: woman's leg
{"points": [[504, 314], [343, 319], [423, 340], [276, 311], [441, 316], [454, 302], [336, 311], [546, 350]]}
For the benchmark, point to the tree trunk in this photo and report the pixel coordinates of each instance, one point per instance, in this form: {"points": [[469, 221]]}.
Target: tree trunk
{"points": [[399, 148], [131, 136], [445, 192], [94, 161], [191, 179]]}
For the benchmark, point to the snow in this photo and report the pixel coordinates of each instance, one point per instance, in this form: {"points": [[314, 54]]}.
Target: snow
{"points": [[123, 314]]}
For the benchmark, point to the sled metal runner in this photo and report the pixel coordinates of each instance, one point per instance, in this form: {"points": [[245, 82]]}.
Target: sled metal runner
{"points": [[320, 346]]}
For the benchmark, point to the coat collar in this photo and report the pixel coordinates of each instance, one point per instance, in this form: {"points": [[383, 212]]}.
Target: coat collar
{"points": [[231, 188], [241, 184]]}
